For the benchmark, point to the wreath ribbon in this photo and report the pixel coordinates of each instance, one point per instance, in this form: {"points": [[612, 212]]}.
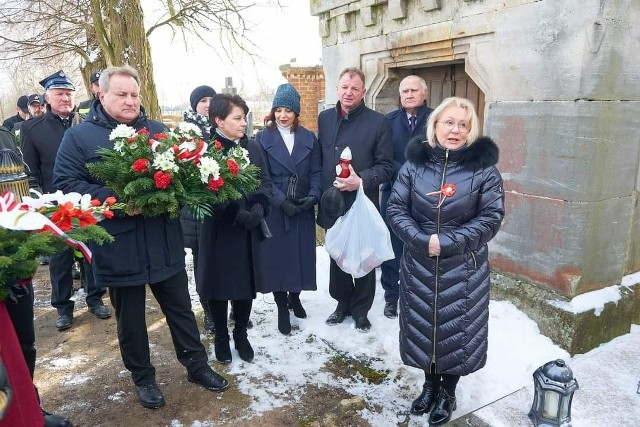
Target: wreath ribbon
{"points": [[14, 216]]}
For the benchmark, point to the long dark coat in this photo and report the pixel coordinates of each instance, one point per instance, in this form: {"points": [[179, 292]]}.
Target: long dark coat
{"points": [[368, 135], [291, 253], [145, 250], [231, 261], [444, 300]]}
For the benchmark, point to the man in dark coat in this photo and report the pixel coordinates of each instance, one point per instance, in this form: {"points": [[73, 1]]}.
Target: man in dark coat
{"points": [[146, 250], [40, 139], [22, 113], [368, 135], [407, 122]]}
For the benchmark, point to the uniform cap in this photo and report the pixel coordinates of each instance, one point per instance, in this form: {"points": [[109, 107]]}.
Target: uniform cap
{"points": [[57, 80], [35, 98], [94, 77]]}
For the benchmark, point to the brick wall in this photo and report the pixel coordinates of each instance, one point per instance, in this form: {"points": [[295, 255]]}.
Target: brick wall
{"points": [[309, 82]]}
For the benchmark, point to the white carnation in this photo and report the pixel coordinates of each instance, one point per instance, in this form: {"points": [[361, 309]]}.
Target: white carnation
{"points": [[122, 131], [165, 161], [189, 128], [209, 167]]}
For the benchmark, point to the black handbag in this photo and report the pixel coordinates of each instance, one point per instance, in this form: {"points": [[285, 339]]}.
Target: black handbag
{"points": [[298, 188]]}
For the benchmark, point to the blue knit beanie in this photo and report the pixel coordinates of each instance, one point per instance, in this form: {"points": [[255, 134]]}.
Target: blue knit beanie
{"points": [[199, 93], [287, 96]]}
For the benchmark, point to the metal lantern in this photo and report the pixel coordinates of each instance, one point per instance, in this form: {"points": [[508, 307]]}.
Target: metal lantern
{"points": [[554, 387], [12, 175]]}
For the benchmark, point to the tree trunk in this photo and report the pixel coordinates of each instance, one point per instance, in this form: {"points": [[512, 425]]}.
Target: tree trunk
{"points": [[124, 27]]}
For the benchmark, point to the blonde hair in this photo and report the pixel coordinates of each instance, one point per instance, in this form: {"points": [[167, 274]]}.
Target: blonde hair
{"points": [[454, 101]]}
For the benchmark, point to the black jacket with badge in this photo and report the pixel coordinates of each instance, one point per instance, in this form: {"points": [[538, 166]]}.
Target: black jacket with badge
{"points": [[368, 135], [231, 265], [444, 300], [146, 249]]}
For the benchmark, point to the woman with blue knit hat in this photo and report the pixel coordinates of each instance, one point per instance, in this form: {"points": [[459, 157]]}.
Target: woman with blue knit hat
{"points": [[293, 157]]}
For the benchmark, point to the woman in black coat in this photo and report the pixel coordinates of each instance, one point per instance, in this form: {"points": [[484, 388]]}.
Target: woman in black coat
{"points": [[294, 162], [446, 205], [231, 259]]}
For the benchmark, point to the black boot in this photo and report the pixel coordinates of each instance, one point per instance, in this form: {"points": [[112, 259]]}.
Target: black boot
{"points": [[284, 321], [209, 327], [242, 309], [427, 399], [296, 305], [218, 310], [445, 405]]}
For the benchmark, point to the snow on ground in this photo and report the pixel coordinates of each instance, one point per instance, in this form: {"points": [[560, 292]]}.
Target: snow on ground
{"points": [[283, 364]]}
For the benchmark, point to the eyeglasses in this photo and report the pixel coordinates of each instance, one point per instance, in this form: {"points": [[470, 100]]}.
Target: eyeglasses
{"points": [[463, 125]]}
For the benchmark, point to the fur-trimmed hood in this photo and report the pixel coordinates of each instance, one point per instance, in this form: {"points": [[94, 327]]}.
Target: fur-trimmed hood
{"points": [[481, 154]]}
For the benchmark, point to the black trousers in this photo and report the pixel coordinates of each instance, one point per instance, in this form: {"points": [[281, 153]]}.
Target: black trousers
{"points": [[21, 314], [353, 295], [173, 297], [60, 267]]}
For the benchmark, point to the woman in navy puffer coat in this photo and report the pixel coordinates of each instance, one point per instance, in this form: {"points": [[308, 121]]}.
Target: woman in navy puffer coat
{"points": [[446, 205]]}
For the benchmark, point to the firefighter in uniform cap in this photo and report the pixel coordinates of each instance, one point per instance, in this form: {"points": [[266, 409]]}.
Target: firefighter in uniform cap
{"points": [[85, 106], [40, 140]]}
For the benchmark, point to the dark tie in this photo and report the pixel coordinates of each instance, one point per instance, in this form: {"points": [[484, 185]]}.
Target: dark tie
{"points": [[412, 123]]}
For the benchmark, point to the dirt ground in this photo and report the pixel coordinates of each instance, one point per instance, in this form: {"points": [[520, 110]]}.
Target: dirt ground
{"points": [[80, 374]]}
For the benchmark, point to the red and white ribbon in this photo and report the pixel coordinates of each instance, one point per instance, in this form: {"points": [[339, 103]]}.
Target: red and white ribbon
{"points": [[447, 190]]}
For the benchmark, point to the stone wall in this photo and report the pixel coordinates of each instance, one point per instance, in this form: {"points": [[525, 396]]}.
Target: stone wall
{"points": [[309, 82], [562, 99]]}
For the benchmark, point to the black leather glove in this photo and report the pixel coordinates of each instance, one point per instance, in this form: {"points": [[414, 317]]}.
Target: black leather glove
{"points": [[289, 208], [307, 203], [250, 218]]}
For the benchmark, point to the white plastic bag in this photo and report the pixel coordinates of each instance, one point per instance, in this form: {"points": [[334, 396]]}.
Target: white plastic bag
{"points": [[359, 241]]}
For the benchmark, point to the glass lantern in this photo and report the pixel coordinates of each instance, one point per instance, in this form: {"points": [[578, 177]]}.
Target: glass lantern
{"points": [[554, 387]]}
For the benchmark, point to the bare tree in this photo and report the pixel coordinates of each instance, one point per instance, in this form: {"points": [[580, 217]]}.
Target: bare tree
{"points": [[101, 33]]}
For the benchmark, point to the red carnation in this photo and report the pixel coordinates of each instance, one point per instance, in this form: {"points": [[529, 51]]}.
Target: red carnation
{"points": [[95, 202], [140, 165], [143, 131], [110, 200], [218, 145], [132, 139], [108, 214], [214, 184], [162, 179], [160, 137], [233, 167]]}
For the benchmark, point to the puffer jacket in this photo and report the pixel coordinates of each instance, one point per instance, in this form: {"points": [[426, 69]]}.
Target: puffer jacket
{"points": [[444, 300]]}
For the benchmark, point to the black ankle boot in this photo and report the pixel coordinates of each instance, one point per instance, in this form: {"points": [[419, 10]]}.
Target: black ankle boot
{"points": [[296, 305], [221, 346], [242, 344], [427, 399], [284, 320], [445, 405]]}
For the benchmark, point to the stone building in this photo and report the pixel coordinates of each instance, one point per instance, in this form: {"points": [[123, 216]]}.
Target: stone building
{"points": [[557, 85]]}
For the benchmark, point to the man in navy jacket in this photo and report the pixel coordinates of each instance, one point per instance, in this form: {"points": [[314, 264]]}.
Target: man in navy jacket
{"points": [[145, 250], [407, 122]]}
